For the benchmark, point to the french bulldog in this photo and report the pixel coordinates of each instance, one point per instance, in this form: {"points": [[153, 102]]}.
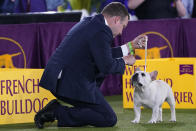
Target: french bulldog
{"points": [[151, 93]]}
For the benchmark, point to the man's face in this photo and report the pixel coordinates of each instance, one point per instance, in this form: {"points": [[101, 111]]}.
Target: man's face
{"points": [[118, 25]]}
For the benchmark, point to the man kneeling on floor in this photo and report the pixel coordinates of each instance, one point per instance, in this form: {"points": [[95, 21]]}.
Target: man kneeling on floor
{"points": [[77, 68]]}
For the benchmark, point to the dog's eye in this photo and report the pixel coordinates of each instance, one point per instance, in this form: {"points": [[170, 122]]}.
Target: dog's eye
{"points": [[143, 74]]}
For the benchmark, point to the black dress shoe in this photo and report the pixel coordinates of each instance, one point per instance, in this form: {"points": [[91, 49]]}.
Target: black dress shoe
{"points": [[46, 114]]}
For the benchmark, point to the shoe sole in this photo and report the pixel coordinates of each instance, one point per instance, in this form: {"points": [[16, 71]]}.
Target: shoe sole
{"points": [[37, 118]]}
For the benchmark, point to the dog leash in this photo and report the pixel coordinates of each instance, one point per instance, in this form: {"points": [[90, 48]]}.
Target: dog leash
{"points": [[139, 43], [146, 52]]}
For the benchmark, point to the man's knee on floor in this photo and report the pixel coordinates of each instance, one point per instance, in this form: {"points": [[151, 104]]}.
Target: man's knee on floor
{"points": [[112, 121]]}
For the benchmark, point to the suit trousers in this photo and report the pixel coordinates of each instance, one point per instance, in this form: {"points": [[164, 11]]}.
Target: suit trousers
{"points": [[82, 114]]}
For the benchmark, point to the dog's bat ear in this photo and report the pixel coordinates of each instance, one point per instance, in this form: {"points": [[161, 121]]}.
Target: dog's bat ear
{"points": [[153, 75], [137, 69]]}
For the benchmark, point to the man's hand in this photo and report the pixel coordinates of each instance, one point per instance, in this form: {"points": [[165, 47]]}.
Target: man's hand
{"points": [[129, 60], [139, 42]]}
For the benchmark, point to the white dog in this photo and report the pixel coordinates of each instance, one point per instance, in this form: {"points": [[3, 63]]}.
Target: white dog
{"points": [[151, 93]]}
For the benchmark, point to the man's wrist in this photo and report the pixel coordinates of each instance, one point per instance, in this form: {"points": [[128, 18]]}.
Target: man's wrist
{"points": [[124, 59]]}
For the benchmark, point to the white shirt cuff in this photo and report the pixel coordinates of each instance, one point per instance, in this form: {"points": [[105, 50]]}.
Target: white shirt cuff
{"points": [[59, 76], [125, 51]]}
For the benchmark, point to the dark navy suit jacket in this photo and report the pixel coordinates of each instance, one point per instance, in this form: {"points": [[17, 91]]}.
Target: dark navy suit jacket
{"points": [[84, 53]]}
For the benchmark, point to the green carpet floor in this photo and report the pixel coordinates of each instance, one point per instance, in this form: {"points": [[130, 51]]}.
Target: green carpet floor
{"points": [[186, 121]]}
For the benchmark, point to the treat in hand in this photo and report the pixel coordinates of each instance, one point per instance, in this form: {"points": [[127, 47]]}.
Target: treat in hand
{"points": [[140, 42]]}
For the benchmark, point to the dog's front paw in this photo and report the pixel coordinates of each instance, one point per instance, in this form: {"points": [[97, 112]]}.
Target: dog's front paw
{"points": [[135, 121], [172, 120], [159, 121], [152, 121]]}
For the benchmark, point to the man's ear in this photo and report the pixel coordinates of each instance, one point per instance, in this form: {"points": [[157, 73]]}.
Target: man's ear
{"points": [[153, 75], [117, 19]]}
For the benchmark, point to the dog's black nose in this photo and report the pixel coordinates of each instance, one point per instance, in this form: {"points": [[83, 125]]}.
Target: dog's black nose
{"points": [[140, 84]]}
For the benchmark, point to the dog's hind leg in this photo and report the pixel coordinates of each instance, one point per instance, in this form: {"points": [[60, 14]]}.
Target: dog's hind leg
{"points": [[171, 102]]}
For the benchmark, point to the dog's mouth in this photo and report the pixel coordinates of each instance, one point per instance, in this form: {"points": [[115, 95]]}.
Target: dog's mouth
{"points": [[137, 84]]}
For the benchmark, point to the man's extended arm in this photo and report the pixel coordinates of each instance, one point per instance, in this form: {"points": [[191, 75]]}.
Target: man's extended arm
{"points": [[138, 43]]}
